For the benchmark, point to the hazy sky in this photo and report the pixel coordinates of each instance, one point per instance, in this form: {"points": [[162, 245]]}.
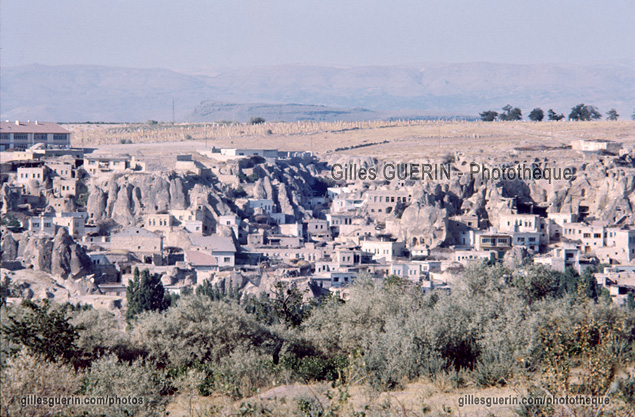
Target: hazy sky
{"points": [[193, 34]]}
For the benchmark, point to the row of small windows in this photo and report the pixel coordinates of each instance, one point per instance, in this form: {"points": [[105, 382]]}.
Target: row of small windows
{"points": [[310, 257], [36, 136], [33, 175], [495, 240], [37, 224], [379, 199]]}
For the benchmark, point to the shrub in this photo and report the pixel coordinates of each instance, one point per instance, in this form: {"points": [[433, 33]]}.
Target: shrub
{"points": [[315, 368], [102, 336], [112, 378], [26, 374], [44, 330], [238, 375], [198, 330], [256, 120]]}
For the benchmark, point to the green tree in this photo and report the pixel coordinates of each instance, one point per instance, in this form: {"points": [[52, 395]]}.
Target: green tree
{"points": [[537, 115], [588, 285], [630, 301], [81, 198], [145, 293], [6, 289], [633, 115], [256, 120], [395, 281], [553, 116], [584, 113], [261, 308], [288, 305], [612, 115], [568, 283], [45, 331], [510, 113], [489, 115]]}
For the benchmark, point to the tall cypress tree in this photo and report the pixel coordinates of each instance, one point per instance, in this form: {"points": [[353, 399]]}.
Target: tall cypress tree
{"points": [[145, 293]]}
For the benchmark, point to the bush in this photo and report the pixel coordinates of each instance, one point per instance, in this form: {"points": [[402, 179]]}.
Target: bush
{"points": [[26, 374], [198, 330], [102, 336], [256, 120], [111, 378], [238, 375], [44, 330], [315, 368]]}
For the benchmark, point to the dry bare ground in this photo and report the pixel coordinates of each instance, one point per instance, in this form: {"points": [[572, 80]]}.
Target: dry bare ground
{"points": [[397, 139]]}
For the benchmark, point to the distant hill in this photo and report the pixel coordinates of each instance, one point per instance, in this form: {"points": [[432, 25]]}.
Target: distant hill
{"points": [[216, 111], [97, 93]]}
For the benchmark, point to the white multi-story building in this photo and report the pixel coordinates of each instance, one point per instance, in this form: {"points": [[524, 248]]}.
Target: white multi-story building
{"points": [[48, 223], [466, 257], [260, 205], [524, 227], [557, 223], [23, 135], [415, 271], [26, 174], [383, 249]]}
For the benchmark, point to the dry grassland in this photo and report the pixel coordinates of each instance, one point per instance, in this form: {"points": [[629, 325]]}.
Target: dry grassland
{"points": [[377, 139]]}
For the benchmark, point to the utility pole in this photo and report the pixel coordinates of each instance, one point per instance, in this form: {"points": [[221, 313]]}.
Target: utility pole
{"points": [[173, 118]]}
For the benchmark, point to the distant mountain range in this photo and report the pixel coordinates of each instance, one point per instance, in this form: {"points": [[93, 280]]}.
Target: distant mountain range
{"points": [[111, 94]]}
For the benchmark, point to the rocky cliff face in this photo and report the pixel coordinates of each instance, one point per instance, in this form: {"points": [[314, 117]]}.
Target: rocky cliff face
{"points": [[126, 198], [602, 189], [59, 255]]}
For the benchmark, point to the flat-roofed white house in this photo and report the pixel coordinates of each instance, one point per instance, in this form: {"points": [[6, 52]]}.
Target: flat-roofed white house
{"points": [[383, 249], [260, 205], [557, 221], [26, 174], [596, 145], [265, 153], [466, 257], [98, 164], [334, 279], [23, 135], [48, 223], [413, 271]]}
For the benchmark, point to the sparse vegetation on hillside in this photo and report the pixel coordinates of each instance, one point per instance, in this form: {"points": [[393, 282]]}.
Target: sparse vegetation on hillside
{"points": [[531, 328]]}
